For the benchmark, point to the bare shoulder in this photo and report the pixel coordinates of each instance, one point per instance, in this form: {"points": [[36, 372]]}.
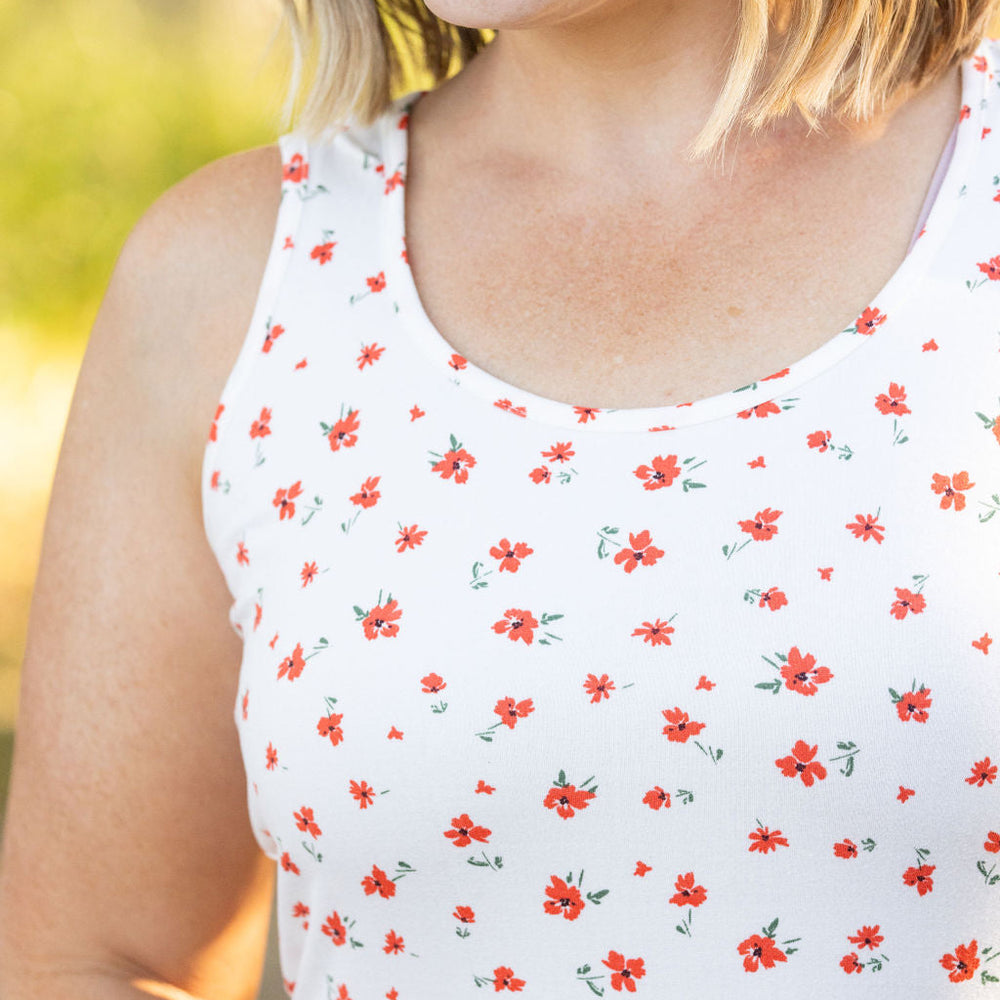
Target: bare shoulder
{"points": [[187, 278]]}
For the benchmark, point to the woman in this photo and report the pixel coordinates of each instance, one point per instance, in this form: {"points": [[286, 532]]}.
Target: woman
{"points": [[614, 614]]}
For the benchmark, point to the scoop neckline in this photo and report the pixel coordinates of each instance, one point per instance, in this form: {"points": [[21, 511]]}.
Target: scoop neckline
{"points": [[535, 408]]}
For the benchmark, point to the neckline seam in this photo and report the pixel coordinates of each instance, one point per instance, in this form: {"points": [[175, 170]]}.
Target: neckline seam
{"points": [[549, 412]]}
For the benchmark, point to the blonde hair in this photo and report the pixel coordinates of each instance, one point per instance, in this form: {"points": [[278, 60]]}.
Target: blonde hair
{"points": [[839, 58]]}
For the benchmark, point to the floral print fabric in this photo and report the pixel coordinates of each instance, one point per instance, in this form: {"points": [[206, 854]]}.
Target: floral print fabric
{"points": [[697, 700]]}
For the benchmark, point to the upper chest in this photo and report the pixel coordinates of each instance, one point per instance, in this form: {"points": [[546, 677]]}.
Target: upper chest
{"points": [[646, 297]]}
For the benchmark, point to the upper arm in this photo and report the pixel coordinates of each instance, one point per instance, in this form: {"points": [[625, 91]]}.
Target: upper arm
{"points": [[127, 843]]}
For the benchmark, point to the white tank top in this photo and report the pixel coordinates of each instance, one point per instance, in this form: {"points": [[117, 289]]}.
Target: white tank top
{"points": [[697, 700]]}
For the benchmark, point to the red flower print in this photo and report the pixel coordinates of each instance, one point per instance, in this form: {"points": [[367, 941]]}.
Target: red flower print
{"points": [[800, 763], [983, 643], [906, 601], [394, 734], [661, 473], [363, 793], [464, 831], [295, 170], [308, 573], [376, 284], [481, 786], [867, 937], [948, 487], [866, 527], [893, 400], [963, 964], [288, 865], [378, 882], [704, 684], [821, 440], [845, 849], [598, 687], [291, 666], [304, 821], [273, 333], [913, 705], [850, 963], [283, 500], [465, 913], [763, 840], [335, 929], [586, 413], [761, 527], [322, 251], [772, 598], [381, 620], [656, 798], [393, 943], [757, 951], [510, 712], [979, 63], [329, 725], [624, 972], [765, 409], [455, 462], [300, 910], [518, 623], [559, 452], [641, 868], [992, 843], [503, 979], [566, 799], [688, 894], [432, 683], [541, 474], [983, 772], [409, 538], [640, 551], [991, 268], [343, 432], [800, 673], [213, 432], [679, 727], [920, 876], [656, 633], [261, 427], [272, 757], [367, 496], [508, 407], [510, 556], [868, 320], [563, 898], [905, 793]]}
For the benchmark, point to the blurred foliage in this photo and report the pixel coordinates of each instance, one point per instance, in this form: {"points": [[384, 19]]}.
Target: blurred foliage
{"points": [[103, 105]]}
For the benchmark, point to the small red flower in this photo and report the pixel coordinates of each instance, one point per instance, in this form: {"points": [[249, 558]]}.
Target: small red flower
{"points": [[963, 964], [920, 876], [688, 894], [763, 840], [641, 551], [801, 764], [758, 950], [679, 727], [510, 712], [983, 773], [624, 972], [563, 898], [464, 831], [378, 882]]}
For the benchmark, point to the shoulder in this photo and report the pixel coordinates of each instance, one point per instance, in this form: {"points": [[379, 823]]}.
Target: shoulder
{"points": [[182, 292]]}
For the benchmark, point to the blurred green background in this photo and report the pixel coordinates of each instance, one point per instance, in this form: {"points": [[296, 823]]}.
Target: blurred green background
{"points": [[103, 105]]}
